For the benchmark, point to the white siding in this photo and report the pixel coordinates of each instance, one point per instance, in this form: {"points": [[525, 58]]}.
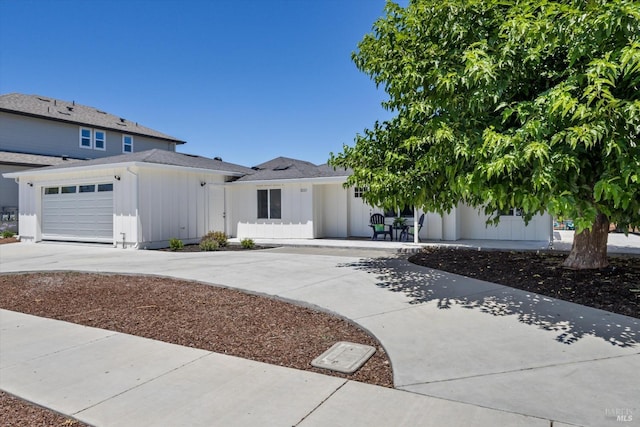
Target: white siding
{"points": [[331, 213], [297, 220], [174, 204], [473, 226]]}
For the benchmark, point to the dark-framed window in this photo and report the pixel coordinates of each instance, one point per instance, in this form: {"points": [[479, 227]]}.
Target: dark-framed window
{"points": [[407, 211], [511, 212], [270, 203]]}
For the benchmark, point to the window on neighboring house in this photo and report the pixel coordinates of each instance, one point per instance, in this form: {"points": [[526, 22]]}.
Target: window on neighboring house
{"points": [[86, 138], [100, 140], [270, 204], [127, 144], [93, 139]]}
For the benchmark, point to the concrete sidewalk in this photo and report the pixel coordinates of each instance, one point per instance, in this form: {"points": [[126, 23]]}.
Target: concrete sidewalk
{"points": [[110, 379], [463, 351]]}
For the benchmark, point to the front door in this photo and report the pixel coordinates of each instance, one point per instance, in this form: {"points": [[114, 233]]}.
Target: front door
{"points": [[217, 208], [359, 214]]}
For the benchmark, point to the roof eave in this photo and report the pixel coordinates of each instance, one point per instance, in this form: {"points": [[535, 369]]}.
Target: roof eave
{"points": [[324, 179], [38, 171], [76, 122]]}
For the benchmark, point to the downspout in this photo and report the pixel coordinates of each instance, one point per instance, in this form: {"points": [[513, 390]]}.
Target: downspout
{"points": [[416, 238], [137, 202]]}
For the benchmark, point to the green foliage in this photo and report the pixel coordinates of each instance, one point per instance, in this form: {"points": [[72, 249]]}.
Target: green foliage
{"points": [[504, 103], [247, 243], [175, 244], [209, 244], [7, 233], [218, 236]]}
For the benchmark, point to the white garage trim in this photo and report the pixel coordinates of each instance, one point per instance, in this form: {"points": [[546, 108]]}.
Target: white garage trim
{"points": [[79, 213]]}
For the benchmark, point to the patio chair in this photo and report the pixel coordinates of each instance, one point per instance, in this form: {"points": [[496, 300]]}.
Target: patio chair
{"points": [[408, 232], [376, 222]]}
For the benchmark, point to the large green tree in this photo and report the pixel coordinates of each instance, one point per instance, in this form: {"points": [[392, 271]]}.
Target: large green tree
{"points": [[531, 104]]}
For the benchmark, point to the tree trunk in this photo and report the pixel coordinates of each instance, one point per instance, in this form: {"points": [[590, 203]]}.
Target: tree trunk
{"points": [[589, 250]]}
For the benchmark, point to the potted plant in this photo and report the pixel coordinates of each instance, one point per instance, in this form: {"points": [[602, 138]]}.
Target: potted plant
{"points": [[399, 222]]}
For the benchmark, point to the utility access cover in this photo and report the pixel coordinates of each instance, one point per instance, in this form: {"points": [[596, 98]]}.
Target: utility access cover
{"points": [[345, 357]]}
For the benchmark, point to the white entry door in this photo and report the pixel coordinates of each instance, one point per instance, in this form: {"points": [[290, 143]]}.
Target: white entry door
{"points": [[81, 213], [359, 214], [217, 208]]}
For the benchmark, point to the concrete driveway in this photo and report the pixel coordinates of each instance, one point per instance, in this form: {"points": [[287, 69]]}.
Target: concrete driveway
{"points": [[447, 336]]}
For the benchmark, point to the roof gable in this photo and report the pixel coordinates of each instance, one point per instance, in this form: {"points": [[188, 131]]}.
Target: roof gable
{"points": [[70, 112]]}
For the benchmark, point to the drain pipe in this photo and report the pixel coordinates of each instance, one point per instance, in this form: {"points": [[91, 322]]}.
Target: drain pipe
{"points": [[137, 201]]}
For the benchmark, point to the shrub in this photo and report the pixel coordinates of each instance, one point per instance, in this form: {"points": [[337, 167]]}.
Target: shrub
{"points": [[247, 243], [207, 244], [218, 236], [7, 233], [175, 244]]}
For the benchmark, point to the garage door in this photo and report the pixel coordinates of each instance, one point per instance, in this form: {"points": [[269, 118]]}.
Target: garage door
{"points": [[81, 213]]}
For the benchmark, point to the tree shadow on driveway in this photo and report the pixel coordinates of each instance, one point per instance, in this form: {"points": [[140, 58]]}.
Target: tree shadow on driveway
{"points": [[570, 321]]}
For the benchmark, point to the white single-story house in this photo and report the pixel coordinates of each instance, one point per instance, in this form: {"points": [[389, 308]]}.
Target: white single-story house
{"points": [[141, 200]]}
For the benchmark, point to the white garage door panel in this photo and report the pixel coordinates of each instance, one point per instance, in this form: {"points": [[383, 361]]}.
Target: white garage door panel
{"points": [[78, 216]]}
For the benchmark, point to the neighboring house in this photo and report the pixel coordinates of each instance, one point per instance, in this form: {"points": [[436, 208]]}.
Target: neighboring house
{"points": [[38, 131], [142, 200]]}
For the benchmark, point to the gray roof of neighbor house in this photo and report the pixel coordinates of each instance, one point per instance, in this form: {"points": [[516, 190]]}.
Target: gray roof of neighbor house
{"points": [[161, 157], [70, 112], [35, 160], [286, 168]]}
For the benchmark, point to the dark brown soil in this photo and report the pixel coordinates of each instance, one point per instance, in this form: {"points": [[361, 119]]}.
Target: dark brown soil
{"points": [[229, 247], [615, 289], [16, 412]]}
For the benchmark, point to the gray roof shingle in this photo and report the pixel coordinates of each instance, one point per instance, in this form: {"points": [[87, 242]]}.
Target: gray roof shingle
{"points": [[162, 157], [34, 160], [286, 168], [70, 112]]}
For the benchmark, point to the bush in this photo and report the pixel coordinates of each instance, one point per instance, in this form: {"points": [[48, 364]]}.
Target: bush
{"points": [[208, 244], [247, 243], [175, 244], [7, 233], [218, 236]]}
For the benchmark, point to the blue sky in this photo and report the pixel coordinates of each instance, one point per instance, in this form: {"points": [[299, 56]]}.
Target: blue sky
{"points": [[246, 80]]}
